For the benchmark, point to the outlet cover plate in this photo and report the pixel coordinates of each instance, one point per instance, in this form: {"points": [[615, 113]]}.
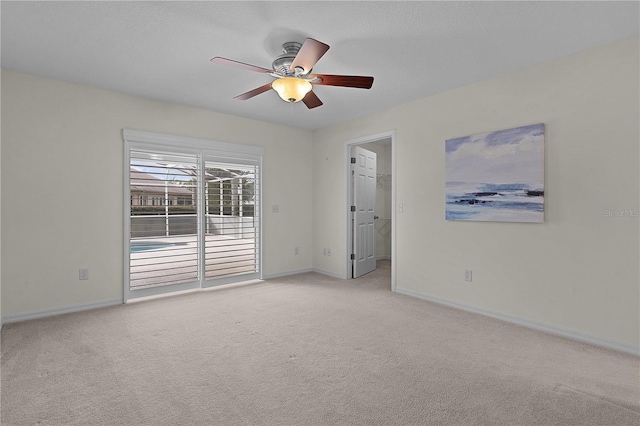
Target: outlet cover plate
{"points": [[83, 274]]}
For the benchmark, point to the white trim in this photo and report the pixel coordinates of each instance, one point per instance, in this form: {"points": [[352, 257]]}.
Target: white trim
{"points": [[329, 274], [261, 215], [391, 134], [394, 218], [303, 271], [287, 274], [173, 140], [383, 257], [25, 316], [126, 194], [346, 229], [200, 213], [533, 324]]}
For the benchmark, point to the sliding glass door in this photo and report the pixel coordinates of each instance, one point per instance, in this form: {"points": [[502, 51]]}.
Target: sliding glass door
{"points": [[163, 240], [231, 219], [192, 215]]}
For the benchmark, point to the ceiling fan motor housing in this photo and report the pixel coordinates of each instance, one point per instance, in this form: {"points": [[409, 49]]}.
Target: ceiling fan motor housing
{"points": [[282, 64]]}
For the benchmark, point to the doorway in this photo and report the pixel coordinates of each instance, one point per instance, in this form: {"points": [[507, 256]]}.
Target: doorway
{"points": [[383, 147]]}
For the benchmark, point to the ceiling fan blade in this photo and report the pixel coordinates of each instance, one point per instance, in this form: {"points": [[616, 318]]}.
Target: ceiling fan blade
{"points": [[241, 65], [255, 92], [356, 81], [310, 52], [311, 100]]}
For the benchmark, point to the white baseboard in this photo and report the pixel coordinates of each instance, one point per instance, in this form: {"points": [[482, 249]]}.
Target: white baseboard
{"points": [[286, 274], [25, 316], [383, 258], [329, 274], [302, 271], [533, 324]]}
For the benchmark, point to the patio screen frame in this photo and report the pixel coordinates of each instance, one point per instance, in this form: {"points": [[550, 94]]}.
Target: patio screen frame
{"points": [[204, 149]]}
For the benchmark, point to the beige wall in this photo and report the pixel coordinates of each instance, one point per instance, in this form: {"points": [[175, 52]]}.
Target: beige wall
{"points": [[579, 269], [64, 138], [0, 201]]}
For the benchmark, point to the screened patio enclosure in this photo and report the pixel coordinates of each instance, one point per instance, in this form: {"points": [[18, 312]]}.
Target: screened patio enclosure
{"points": [[193, 220]]}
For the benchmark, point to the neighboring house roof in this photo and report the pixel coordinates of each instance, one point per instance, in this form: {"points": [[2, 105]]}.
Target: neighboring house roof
{"points": [[149, 184]]}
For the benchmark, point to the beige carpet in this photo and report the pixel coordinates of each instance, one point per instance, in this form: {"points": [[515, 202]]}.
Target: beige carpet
{"points": [[306, 350]]}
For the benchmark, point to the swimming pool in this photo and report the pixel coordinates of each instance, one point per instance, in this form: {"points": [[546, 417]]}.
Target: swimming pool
{"points": [[136, 247]]}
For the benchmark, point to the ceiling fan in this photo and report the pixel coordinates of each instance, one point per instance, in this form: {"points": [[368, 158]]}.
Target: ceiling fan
{"points": [[292, 70]]}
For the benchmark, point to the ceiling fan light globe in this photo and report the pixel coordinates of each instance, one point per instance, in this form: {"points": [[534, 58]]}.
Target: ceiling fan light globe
{"points": [[291, 89]]}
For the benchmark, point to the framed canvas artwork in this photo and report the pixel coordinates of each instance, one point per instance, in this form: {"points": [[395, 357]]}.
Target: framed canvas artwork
{"points": [[496, 176]]}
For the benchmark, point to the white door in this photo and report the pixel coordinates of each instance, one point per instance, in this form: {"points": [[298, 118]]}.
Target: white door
{"points": [[364, 200]]}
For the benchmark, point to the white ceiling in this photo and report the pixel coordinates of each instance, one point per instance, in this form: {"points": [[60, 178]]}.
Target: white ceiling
{"points": [[162, 50]]}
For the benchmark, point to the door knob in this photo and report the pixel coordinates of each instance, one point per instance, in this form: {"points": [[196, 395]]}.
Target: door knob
{"points": [[375, 217]]}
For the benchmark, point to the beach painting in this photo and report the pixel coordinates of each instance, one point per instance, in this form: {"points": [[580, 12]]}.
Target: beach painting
{"points": [[496, 176]]}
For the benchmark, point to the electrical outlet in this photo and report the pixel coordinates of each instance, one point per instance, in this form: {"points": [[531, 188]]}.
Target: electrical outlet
{"points": [[275, 208], [328, 252], [400, 208], [83, 274], [468, 275]]}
